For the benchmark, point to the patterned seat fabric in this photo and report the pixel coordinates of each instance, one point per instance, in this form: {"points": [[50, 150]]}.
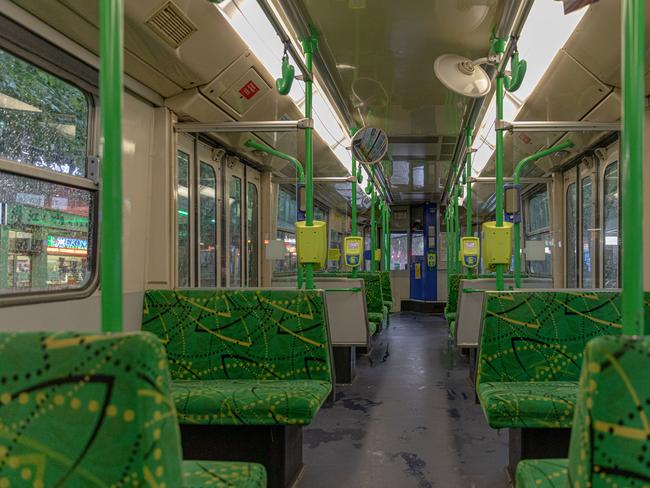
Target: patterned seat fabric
{"points": [[522, 404], [216, 474], [252, 402], [94, 410], [610, 440], [243, 356], [452, 297], [386, 289], [543, 473], [538, 337]]}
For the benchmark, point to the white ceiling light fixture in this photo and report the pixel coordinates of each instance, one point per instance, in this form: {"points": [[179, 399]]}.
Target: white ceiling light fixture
{"points": [[463, 75]]}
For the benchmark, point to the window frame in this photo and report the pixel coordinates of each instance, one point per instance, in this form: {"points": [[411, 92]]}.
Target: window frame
{"points": [[612, 160], [540, 232], [35, 51]]}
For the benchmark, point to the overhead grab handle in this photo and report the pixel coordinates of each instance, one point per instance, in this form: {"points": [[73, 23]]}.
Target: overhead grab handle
{"points": [[284, 83]]}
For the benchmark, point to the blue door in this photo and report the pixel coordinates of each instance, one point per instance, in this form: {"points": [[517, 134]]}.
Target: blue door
{"points": [[424, 257]]}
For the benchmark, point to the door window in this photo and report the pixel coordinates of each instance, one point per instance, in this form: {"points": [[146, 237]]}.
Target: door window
{"points": [[183, 217], [252, 235], [235, 232], [611, 227], [587, 233], [571, 236], [208, 226]]}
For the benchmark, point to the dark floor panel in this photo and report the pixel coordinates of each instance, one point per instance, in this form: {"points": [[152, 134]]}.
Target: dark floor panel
{"points": [[408, 420]]}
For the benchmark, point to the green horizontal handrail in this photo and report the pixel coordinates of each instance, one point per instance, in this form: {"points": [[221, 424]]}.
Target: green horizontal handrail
{"points": [[269, 150], [342, 289]]}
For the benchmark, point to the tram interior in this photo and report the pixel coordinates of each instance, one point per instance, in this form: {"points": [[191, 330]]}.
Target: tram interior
{"points": [[318, 243]]}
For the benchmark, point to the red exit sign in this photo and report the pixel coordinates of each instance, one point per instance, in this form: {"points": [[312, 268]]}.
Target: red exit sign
{"points": [[249, 90]]}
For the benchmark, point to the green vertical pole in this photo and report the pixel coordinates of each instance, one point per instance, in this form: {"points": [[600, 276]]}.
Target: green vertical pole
{"points": [[110, 96], [633, 57], [468, 198], [4, 257], [353, 203], [457, 230], [387, 238], [309, 45], [500, 46], [373, 224]]}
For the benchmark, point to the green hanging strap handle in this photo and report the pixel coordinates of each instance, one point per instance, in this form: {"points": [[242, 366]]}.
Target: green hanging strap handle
{"points": [[359, 177], [283, 84], [518, 72]]}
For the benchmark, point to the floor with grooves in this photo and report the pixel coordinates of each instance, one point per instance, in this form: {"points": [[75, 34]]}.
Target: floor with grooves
{"points": [[408, 419]]}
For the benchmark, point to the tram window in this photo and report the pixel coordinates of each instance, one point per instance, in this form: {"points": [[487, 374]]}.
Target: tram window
{"points": [[43, 119], [235, 232], [538, 229], [571, 236], [367, 245], [252, 235], [208, 226], [417, 244], [399, 244], [587, 226], [183, 218], [46, 236], [611, 226]]}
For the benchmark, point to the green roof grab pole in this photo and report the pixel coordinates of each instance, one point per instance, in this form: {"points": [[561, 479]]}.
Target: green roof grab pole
{"points": [[633, 57], [468, 198], [309, 45], [516, 179], [110, 95], [373, 223], [258, 146], [353, 203], [499, 47]]}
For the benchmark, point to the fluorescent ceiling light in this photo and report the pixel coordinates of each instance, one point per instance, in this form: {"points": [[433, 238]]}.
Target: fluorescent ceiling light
{"points": [[250, 22], [546, 31]]}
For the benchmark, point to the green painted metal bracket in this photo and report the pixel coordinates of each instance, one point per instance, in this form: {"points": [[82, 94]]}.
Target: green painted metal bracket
{"points": [[269, 150]]}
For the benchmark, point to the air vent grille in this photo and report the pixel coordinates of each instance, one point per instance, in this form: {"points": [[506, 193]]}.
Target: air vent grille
{"points": [[171, 25]]}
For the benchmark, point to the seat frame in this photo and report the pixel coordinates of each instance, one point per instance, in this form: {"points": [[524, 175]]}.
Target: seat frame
{"points": [[277, 447], [536, 444]]}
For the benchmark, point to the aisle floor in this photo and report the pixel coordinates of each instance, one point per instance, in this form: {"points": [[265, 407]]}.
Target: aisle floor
{"points": [[408, 420]]}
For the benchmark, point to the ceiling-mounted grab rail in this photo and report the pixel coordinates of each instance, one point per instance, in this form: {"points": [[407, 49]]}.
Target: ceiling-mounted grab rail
{"points": [[258, 126], [554, 126]]}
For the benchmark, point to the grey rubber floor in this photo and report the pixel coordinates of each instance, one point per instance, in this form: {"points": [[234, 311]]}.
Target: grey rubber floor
{"points": [[408, 420]]}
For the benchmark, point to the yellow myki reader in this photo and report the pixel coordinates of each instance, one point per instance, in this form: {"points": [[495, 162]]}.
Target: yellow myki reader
{"points": [[469, 251], [352, 251], [497, 244], [311, 243]]}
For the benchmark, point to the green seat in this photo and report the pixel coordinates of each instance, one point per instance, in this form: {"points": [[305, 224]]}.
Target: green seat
{"points": [[522, 404], [610, 439], [543, 473], [252, 402], [531, 350], [452, 297], [95, 410], [244, 356], [199, 474]]}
